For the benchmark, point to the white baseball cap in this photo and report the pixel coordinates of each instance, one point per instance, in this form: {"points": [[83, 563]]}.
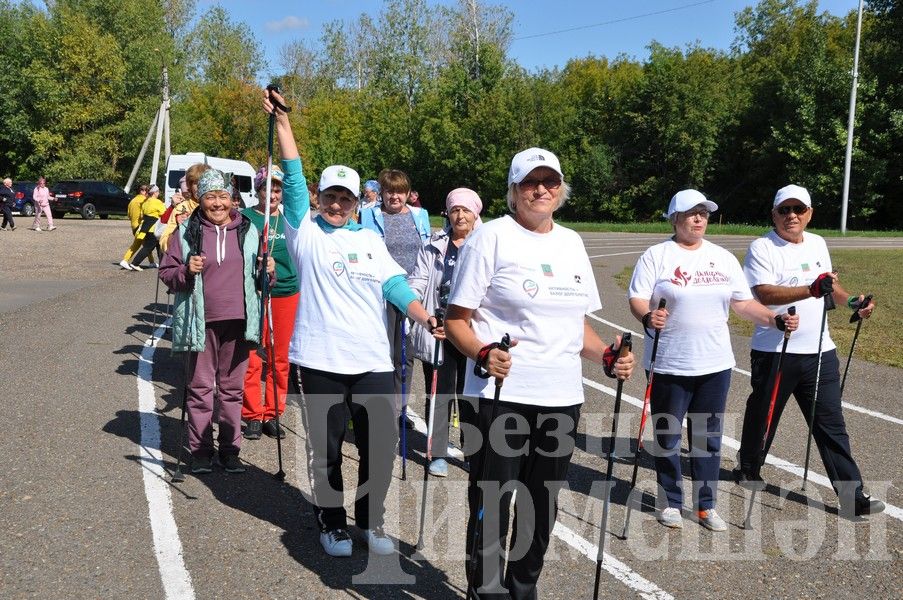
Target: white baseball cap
{"points": [[789, 192], [529, 159], [340, 176], [684, 200]]}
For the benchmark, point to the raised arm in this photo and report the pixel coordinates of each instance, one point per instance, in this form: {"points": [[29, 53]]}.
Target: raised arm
{"points": [[295, 196]]}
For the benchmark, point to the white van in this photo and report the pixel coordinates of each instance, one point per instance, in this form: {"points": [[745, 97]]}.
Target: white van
{"points": [[242, 171]]}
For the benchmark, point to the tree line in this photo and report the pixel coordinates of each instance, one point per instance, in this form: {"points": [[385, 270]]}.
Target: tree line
{"points": [[432, 90]]}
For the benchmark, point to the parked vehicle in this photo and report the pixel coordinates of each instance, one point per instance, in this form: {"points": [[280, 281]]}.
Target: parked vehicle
{"points": [[89, 198], [24, 198], [241, 170]]}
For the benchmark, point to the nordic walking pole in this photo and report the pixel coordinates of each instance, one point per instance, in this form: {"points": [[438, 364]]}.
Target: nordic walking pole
{"points": [[854, 318], [157, 300], [639, 437], [404, 400], [472, 586], [829, 304], [774, 397], [431, 412], [623, 350]]}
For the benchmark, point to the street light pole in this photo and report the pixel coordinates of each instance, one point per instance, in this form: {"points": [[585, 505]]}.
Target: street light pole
{"points": [[848, 159]]}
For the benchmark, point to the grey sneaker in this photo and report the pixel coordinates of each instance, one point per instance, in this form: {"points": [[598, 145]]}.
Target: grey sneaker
{"points": [[336, 542], [670, 517], [711, 521], [379, 542]]}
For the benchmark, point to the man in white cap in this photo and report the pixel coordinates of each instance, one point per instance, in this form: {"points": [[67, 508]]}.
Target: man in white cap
{"points": [[790, 266]]}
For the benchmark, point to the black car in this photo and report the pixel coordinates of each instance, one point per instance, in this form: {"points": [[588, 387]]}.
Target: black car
{"points": [[89, 198], [24, 199]]}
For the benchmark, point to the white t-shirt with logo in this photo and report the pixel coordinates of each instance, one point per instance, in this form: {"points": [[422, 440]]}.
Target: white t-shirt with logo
{"points": [[340, 325], [698, 287], [536, 287], [772, 260]]}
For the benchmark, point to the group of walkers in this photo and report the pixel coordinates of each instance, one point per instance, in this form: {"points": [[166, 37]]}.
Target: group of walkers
{"points": [[498, 315], [40, 200]]}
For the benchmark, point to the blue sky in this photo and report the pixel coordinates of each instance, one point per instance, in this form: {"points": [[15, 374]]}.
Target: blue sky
{"points": [[607, 27]]}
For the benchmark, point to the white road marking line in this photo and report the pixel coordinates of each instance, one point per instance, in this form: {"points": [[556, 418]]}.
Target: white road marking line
{"points": [[891, 510], [167, 546], [618, 570], [853, 407], [615, 567]]}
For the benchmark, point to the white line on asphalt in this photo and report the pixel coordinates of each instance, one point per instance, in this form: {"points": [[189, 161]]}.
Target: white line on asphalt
{"points": [[615, 567], [618, 570], [853, 407], [167, 546], [893, 511]]}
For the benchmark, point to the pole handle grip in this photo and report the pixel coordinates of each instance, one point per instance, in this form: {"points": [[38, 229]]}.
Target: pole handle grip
{"points": [[626, 344]]}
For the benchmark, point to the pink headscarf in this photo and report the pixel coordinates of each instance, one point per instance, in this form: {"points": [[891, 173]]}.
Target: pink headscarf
{"points": [[468, 199]]}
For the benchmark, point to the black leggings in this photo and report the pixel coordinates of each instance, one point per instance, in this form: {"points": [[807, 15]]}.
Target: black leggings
{"points": [[327, 401]]}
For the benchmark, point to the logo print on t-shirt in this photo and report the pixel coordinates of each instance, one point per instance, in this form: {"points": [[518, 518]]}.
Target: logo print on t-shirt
{"points": [[531, 287], [576, 278], [352, 258], [338, 267], [547, 270], [805, 267], [681, 277]]}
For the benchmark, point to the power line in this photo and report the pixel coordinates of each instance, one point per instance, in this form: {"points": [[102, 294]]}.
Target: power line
{"points": [[613, 21]]}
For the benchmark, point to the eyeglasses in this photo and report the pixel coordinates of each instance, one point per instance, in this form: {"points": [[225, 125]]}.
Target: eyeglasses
{"points": [[797, 209], [694, 213], [550, 183]]}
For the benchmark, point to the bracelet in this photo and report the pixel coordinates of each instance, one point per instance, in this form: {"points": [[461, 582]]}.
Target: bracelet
{"points": [[479, 367]]}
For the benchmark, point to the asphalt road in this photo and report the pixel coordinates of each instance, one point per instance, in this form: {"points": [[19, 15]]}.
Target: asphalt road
{"points": [[89, 400]]}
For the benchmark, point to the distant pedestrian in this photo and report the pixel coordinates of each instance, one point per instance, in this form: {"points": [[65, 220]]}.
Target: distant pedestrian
{"points": [[414, 198], [41, 197], [7, 202], [186, 207], [134, 212], [370, 197], [151, 211]]}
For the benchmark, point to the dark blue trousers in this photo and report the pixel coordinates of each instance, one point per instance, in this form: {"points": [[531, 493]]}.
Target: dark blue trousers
{"points": [[701, 399]]}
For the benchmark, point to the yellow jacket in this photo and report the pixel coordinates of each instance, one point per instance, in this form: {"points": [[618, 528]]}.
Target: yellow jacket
{"points": [[134, 211]]}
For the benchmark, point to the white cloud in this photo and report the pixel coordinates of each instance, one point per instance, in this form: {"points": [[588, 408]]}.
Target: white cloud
{"points": [[287, 23]]}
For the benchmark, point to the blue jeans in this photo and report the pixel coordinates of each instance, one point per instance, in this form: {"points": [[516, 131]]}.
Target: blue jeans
{"points": [[701, 398]]}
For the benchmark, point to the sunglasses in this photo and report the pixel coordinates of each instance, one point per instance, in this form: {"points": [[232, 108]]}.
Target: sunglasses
{"points": [[797, 209], [550, 183]]}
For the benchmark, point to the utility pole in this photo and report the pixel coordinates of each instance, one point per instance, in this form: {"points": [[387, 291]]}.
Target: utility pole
{"points": [[848, 159], [161, 125]]}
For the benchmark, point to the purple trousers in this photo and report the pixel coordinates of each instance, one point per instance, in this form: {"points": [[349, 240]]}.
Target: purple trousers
{"points": [[218, 373]]}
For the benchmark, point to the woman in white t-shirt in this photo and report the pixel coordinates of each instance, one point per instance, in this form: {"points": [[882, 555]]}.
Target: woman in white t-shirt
{"points": [[700, 282], [525, 276], [339, 352]]}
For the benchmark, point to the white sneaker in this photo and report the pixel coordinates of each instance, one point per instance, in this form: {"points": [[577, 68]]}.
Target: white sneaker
{"points": [[711, 521], [38, 229], [670, 517], [135, 267], [336, 542], [51, 228], [125, 265], [379, 542]]}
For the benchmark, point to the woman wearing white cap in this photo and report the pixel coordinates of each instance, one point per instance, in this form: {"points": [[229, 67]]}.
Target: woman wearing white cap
{"points": [[700, 282], [431, 281], [525, 276], [339, 359]]}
